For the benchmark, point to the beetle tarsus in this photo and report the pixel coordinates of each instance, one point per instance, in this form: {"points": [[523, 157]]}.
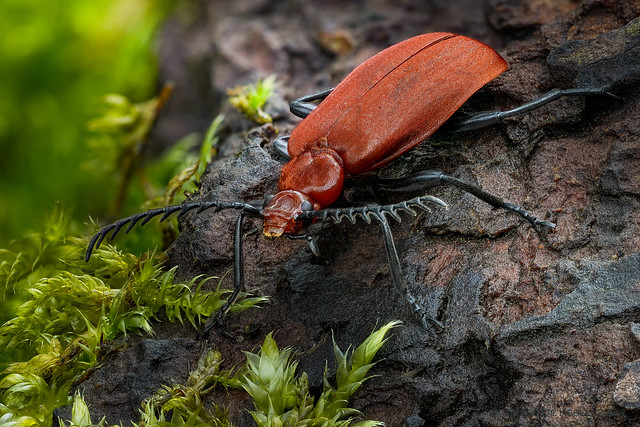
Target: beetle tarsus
{"points": [[310, 240], [221, 326], [535, 222], [312, 245], [215, 322], [428, 321], [487, 118]]}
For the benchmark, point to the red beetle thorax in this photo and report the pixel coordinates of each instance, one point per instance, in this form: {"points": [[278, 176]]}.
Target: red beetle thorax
{"points": [[315, 176]]}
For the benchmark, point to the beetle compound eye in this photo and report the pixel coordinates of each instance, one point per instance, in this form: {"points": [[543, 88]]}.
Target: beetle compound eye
{"points": [[267, 200], [306, 206]]}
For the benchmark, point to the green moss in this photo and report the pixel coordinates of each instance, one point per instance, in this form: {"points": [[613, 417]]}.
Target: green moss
{"points": [[68, 316], [251, 99], [281, 397]]}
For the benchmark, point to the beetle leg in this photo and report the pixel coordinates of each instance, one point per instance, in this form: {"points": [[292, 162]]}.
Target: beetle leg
{"points": [[238, 276], [427, 320], [238, 266], [304, 105], [280, 146], [421, 182], [488, 118], [309, 239]]}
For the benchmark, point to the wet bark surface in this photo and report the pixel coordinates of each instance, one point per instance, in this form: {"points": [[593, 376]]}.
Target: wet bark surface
{"points": [[538, 327]]}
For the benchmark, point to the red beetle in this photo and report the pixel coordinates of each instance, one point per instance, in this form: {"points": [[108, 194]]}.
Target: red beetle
{"points": [[386, 106]]}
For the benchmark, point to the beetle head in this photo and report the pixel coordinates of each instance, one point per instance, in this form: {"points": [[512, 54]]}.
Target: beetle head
{"points": [[281, 210]]}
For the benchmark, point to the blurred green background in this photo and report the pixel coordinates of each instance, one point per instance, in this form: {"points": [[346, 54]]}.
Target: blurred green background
{"points": [[58, 58]]}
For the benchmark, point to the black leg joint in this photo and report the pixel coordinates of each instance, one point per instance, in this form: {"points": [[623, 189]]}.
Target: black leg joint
{"points": [[304, 105]]}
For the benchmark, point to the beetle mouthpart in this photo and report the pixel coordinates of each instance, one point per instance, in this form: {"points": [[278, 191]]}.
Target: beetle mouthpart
{"points": [[272, 232]]}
